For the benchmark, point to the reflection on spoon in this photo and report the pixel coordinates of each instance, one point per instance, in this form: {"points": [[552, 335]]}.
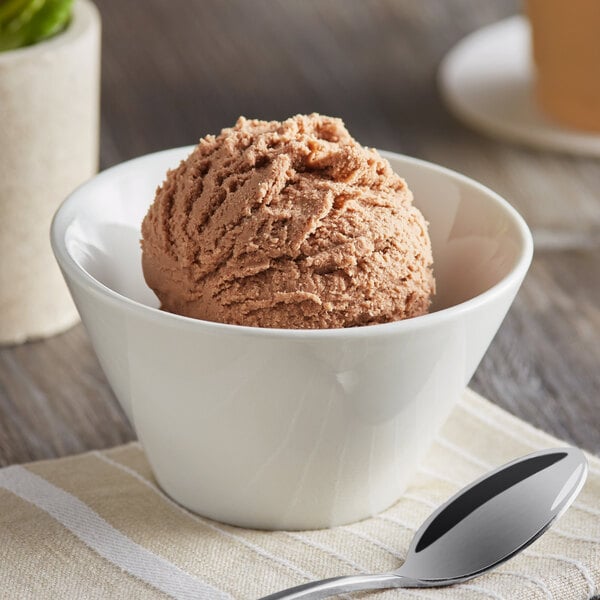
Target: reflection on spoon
{"points": [[480, 527]]}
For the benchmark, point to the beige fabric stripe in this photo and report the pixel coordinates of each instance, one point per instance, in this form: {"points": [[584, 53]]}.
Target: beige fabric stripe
{"points": [[189, 543], [497, 419], [106, 540], [493, 416], [40, 559], [133, 457]]}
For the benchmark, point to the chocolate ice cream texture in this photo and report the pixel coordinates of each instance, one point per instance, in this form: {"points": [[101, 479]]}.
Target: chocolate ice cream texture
{"points": [[287, 224]]}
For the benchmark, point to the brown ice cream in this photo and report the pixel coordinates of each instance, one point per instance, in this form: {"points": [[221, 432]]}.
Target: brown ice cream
{"points": [[287, 225]]}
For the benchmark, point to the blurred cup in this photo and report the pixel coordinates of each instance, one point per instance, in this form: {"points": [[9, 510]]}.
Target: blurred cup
{"points": [[566, 52], [49, 116]]}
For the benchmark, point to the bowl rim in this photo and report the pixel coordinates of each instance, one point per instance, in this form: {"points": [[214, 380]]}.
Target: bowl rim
{"points": [[67, 211]]}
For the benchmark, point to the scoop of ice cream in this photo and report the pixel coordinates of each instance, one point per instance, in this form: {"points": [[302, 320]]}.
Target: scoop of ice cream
{"points": [[287, 225]]}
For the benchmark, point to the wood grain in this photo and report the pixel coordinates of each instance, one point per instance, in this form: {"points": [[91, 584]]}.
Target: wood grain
{"points": [[174, 71]]}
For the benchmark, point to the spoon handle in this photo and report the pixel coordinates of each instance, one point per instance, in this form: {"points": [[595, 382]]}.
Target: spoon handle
{"points": [[340, 585]]}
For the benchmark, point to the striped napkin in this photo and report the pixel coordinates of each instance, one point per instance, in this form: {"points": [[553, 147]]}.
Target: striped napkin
{"points": [[97, 526]]}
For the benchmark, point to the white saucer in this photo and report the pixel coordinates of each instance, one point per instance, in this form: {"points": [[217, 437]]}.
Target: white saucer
{"points": [[487, 81]]}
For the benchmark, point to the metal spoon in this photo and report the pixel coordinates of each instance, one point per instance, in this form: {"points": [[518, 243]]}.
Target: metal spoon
{"points": [[480, 527]]}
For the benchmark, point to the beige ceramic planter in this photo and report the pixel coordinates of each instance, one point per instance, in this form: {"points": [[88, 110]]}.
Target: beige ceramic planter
{"points": [[49, 114]]}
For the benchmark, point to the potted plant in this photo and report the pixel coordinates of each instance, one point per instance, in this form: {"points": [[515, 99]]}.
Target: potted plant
{"points": [[49, 116]]}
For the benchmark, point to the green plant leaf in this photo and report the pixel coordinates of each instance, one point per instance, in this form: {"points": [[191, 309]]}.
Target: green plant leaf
{"points": [[35, 21], [9, 9]]}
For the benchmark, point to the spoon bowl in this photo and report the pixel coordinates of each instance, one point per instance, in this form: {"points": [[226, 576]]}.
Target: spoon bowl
{"points": [[483, 525]]}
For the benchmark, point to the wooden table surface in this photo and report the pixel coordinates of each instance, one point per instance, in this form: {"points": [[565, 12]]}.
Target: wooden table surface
{"points": [[175, 71]]}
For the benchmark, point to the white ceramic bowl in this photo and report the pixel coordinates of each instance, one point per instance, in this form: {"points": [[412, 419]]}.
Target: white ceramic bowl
{"points": [[288, 429]]}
